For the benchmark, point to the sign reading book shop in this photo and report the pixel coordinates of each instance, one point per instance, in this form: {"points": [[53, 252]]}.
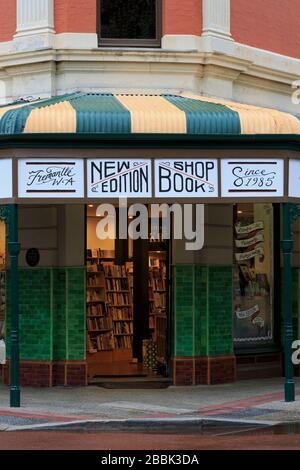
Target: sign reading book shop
{"points": [[186, 178], [252, 178], [51, 178], [119, 178]]}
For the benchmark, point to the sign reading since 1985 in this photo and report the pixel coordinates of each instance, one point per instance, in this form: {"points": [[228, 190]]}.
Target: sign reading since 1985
{"points": [[186, 178], [119, 178], [51, 178], [252, 178]]}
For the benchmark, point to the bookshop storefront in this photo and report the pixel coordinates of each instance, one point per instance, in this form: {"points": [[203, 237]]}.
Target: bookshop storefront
{"points": [[196, 299]]}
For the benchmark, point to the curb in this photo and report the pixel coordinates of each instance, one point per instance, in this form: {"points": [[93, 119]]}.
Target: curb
{"points": [[149, 424]]}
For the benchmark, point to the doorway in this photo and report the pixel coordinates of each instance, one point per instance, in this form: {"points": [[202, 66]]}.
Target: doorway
{"points": [[127, 304]]}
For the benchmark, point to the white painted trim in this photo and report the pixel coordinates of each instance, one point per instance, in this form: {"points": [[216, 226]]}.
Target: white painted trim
{"points": [[76, 41], [35, 14], [176, 42], [216, 18]]}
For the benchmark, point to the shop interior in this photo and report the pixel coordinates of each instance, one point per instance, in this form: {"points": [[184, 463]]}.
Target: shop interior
{"points": [[127, 303]]}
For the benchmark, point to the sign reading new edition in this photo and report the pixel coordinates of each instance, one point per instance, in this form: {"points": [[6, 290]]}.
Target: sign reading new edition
{"points": [[119, 178], [50, 178], [186, 178]]}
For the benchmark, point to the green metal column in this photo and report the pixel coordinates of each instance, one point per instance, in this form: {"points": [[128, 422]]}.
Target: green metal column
{"points": [[287, 246], [14, 250]]}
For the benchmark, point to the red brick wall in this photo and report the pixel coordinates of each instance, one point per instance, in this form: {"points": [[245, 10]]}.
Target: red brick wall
{"points": [[270, 24], [8, 22], [179, 16], [182, 17], [75, 16]]}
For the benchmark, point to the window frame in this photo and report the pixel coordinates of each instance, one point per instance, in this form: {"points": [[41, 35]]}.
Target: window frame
{"points": [[120, 42]]}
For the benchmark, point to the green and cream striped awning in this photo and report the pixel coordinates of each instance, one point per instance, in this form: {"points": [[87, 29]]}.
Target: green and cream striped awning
{"points": [[88, 113]]}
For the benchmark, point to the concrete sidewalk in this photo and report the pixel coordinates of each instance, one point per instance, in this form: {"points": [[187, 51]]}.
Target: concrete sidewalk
{"points": [[252, 401]]}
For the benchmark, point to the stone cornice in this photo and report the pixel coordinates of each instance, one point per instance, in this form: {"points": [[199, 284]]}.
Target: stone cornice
{"points": [[230, 64]]}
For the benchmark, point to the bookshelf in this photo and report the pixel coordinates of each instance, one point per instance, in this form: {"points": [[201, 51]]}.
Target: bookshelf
{"points": [[109, 318], [158, 322], [119, 299], [98, 322]]}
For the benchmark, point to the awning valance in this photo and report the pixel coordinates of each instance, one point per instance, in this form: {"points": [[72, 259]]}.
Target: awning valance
{"points": [[91, 113]]}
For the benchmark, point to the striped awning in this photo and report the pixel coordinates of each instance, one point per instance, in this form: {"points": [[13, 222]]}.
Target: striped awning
{"points": [[185, 113]]}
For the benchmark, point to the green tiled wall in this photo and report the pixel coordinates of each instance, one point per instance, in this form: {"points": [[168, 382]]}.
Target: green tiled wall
{"points": [[202, 310], [52, 313]]}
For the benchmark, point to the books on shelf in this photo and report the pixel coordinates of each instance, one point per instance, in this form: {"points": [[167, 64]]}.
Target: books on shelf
{"points": [[123, 328], [97, 280], [118, 298], [117, 284], [123, 342], [105, 342], [98, 253], [121, 313], [95, 295], [96, 310], [112, 270], [109, 305], [99, 323]]}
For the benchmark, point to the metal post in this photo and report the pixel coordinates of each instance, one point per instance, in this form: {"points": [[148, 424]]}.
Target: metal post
{"points": [[287, 246], [14, 250]]}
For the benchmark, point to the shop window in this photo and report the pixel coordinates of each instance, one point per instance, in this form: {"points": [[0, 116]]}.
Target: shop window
{"points": [[129, 23], [253, 321]]}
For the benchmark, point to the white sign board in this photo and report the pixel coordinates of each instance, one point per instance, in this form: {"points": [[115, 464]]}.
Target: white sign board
{"points": [[252, 178], [294, 178], [186, 178], [109, 178], [6, 178], [51, 178]]}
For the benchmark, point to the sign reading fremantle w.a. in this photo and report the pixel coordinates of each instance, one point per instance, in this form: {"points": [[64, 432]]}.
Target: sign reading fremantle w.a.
{"points": [[51, 178], [186, 178], [119, 178]]}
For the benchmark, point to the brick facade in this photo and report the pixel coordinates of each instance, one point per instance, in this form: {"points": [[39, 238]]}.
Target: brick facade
{"points": [[204, 370], [8, 19], [272, 25], [48, 373], [75, 16], [182, 17]]}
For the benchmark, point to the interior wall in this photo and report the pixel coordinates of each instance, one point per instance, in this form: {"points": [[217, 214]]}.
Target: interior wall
{"points": [[57, 231], [71, 235], [93, 241], [38, 228], [218, 239]]}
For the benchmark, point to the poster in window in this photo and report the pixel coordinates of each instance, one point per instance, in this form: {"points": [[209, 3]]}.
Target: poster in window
{"points": [[253, 275]]}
